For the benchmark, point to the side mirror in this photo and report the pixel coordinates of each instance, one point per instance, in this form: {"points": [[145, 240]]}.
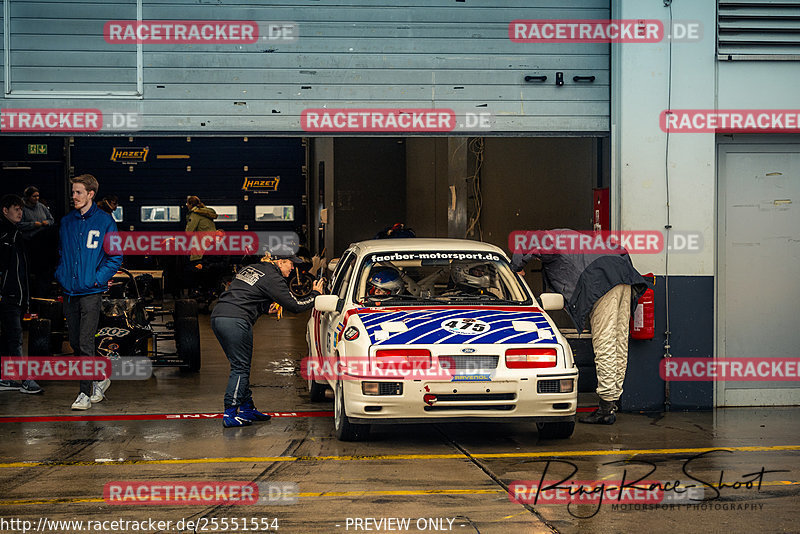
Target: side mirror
{"points": [[326, 303], [550, 301], [332, 264]]}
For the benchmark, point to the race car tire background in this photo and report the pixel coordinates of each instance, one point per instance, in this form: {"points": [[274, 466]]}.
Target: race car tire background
{"points": [[187, 332], [187, 341], [53, 311], [185, 308], [39, 338]]}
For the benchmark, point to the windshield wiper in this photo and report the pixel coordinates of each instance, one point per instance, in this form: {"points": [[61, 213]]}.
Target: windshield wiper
{"points": [[485, 297], [386, 298]]}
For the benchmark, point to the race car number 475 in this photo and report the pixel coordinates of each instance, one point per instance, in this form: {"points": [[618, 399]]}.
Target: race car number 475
{"points": [[465, 326]]}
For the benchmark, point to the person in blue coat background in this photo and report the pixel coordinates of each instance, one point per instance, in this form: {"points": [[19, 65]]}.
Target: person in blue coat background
{"points": [[83, 271]]}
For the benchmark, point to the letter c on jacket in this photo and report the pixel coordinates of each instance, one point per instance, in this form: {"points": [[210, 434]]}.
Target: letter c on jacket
{"points": [[91, 239]]}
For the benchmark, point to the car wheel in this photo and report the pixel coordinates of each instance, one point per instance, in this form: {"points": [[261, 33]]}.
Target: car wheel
{"points": [[558, 430], [187, 341], [316, 391], [345, 430], [39, 334]]}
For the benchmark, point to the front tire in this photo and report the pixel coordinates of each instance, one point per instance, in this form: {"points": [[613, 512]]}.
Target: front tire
{"points": [[557, 430], [344, 429]]}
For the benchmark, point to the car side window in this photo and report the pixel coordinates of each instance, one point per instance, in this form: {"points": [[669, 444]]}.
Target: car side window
{"points": [[343, 271], [346, 276]]}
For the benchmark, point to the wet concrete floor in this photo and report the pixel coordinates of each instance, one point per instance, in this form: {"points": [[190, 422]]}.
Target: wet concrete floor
{"points": [[438, 478]]}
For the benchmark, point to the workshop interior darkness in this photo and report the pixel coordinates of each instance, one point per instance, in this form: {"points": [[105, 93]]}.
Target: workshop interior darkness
{"points": [[341, 189], [474, 188]]}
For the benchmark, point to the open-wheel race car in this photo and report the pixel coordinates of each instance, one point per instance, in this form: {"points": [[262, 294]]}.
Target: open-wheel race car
{"points": [[130, 325], [438, 330]]}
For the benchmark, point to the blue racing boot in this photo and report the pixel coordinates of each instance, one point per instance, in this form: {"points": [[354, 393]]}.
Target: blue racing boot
{"points": [[248, 411], [231, 419]]}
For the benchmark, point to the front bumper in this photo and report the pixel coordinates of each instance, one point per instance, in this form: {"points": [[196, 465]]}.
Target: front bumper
{"points": [[505, 397]]}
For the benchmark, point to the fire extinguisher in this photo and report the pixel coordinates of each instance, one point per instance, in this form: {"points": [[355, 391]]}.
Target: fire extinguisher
{"points": [[643, 322]]}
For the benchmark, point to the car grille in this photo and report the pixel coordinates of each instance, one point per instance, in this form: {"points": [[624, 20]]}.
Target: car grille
{"points": [[473, 397], [484, 407], [390, 388], [470, 362], [548, 386]]}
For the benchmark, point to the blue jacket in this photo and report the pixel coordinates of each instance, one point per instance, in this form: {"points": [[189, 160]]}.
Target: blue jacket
{"points": [[84, 267]]}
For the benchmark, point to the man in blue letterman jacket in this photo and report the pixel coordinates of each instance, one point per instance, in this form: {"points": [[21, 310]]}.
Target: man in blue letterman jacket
{"points": [[84, 271]]}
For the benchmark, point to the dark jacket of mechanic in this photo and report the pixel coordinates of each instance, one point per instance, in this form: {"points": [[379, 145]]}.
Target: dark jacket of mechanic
{"points": [[254, 289], [84, 267], [13, 264], [583, 278]]}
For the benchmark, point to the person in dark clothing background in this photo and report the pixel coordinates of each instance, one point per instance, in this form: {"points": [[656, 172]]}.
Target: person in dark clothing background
{"points": [[38, 230], [199, 275], [199, 218], [605, 287], [109, 204], [251, 293], [14, 291]]}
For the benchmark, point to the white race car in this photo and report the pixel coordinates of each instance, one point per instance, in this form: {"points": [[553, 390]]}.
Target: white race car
{"points": [[437, 330]]}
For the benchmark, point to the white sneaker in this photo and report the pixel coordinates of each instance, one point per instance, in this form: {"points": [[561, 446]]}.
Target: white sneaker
{"points": [[82, 402], [99, 391]]}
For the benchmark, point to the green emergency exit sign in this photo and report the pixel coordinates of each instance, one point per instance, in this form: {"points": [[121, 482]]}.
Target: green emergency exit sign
{"points": [[37, 149]]}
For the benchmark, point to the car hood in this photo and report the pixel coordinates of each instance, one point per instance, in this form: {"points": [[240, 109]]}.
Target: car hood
{"points": [[425, 325]]}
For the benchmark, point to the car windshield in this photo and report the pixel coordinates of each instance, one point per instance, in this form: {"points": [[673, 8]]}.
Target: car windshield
{"points": [[458, 277]]}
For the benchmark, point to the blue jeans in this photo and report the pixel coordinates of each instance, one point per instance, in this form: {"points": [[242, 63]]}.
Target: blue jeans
{"points": [[236, 337]]}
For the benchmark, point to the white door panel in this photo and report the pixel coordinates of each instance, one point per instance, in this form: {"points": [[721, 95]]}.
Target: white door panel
{"points": [[759, 255]]}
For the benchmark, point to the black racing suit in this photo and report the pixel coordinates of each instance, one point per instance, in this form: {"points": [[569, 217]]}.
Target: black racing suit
{"points": [[251, 293]]}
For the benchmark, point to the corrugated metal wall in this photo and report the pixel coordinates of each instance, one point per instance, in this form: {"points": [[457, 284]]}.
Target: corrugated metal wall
{"points": [[349, 54]]}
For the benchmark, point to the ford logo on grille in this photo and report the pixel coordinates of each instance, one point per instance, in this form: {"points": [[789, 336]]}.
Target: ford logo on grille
{"points": [[467, 350]]}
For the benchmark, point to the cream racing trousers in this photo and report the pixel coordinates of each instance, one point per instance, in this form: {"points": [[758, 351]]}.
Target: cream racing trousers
{"points": [[610, 322]]}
